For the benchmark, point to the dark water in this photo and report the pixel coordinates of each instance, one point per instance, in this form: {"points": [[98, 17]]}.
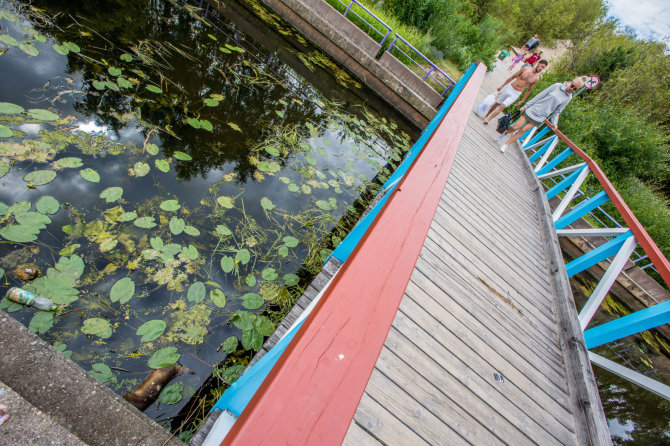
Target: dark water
{"points": [[238, 173], [635, 416]]}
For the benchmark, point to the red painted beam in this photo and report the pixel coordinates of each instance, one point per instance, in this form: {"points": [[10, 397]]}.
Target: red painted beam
{"points": [[643, 238], [312, 393]]}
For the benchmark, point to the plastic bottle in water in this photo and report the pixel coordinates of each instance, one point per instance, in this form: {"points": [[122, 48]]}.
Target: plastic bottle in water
{"points": [[29, 299]]}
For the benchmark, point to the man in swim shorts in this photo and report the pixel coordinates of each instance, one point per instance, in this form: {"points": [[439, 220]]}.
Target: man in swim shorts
{"points": [[522, 79]]}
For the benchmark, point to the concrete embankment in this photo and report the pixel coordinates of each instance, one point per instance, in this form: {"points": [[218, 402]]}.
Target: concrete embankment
{"points": [[355, 50], [47, 396]]}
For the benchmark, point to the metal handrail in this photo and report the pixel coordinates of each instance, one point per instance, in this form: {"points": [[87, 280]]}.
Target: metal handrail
{"points": [[429, 72], [348, 10]]}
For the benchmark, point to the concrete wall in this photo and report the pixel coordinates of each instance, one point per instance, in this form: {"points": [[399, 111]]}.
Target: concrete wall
{"points": [[356, 51]]}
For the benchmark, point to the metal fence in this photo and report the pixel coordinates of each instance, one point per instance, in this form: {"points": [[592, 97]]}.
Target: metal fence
{"points": [[621, 244]]}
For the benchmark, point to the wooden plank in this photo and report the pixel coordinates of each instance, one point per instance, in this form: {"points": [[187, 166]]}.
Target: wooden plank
{"points": [[498, 323], [448, 277], [513, 291], [534, 379], [357, 436], [377, 420], [334, 353], [409, 411], [505, 400], [460, 225], [440, 403]]}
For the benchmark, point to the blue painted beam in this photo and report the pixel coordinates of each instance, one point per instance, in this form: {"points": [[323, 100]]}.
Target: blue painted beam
{"points": [[564, 183], [237, 396], [538, 136], [637, 322], [541, 150], [556, 161], [345, 248], [599, 254], [582, 209]]}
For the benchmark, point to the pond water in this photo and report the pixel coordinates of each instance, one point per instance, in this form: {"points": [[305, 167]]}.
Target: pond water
{"points": [[635, 416], [175, 182]]}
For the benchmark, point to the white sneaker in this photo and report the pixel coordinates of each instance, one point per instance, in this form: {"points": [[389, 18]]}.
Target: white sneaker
{"points": [[503, 147]]}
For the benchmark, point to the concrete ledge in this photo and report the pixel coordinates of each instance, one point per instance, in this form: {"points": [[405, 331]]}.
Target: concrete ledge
{"points": [[68, 395], [352, 48]]}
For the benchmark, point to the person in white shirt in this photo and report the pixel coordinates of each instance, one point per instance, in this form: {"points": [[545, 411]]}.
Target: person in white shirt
{"points": [[546, 105]]}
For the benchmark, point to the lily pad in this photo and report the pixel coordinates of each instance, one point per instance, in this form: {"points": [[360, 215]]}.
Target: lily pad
{"points": [[152, 149], [114, 71], [154, 89], [29, 49], [90, 175], [291, 279], [162, 165], [8, 40], [72, 47], [252, 301], [98, 327], [122, 291], [252, 340], [283, 251], [191, 252], [71, 161], [128, 216], [267, 204], [126, 57], [164, 357], [196, 292], [177, 225], [193, 122], [61, 49], [19, 233], [206, 125], [42, 115], [190, 230], [8, 108], [33, 219], [230, 344], [145, 222], [323, 204], [47, 205], [211, 102], [182, 156], [111, 194], [171, 394], [290, 241], [218, 298], [101, 372], [151, 330], [226, 202], [99, 85], [141, 168], [243, 256], [223, 230], [41, 322], [272, 151], [6, 132], [170, 205], [40, 177], [250, 280], [108, 244], [269, 274], [227, 263], [123, 82]]}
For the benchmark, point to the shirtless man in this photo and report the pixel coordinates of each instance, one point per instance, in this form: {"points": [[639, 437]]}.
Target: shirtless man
{"points": [[525, 77]]}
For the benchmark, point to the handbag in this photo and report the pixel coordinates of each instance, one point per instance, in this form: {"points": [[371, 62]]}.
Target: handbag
{"points": [[506, 121], [485, 105]]}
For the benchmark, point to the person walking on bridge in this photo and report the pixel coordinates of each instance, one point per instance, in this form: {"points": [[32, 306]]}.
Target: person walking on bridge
{"points": [[525, 78], [546, 105]]}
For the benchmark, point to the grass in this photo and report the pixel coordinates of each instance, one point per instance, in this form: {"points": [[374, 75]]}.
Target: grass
{"points": [[418, 39]]}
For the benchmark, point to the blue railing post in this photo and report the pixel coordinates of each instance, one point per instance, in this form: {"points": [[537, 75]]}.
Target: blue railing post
{"points": [[348, 8], [597, 255]]}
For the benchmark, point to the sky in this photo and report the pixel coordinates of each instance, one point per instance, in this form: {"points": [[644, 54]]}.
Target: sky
{"points": [[649, 18]]}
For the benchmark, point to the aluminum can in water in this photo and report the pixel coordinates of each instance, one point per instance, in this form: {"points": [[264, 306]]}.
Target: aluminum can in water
{"points": [[20, 296]]}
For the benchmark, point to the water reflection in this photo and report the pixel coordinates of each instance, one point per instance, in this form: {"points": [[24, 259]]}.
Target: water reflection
{"points": [[202, 172]]}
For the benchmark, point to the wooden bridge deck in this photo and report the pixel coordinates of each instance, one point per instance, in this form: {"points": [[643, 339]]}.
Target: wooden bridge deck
{"points": [[484, 347], [474, 354]]}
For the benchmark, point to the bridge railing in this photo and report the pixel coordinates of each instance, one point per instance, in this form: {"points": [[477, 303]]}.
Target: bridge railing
{"points": [[432, 74], [621, 244]]}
